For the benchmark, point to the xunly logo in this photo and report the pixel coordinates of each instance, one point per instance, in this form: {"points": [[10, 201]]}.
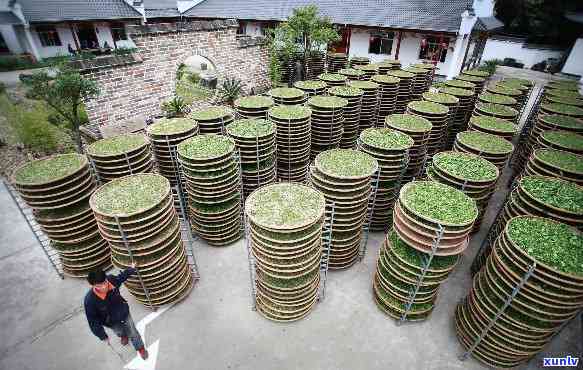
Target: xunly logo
{"points": [[560, 361]]}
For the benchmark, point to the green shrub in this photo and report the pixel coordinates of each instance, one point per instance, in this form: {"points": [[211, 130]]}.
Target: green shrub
{"points": [[490, 65], [194, 78], [2, 88]]}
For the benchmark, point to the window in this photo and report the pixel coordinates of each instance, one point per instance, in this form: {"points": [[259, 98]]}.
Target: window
{"points": [[48, 36], [118, 32], [431, 46], [241, 28], [381, 43], [3, 46]]}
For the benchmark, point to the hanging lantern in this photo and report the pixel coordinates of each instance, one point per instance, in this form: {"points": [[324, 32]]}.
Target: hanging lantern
{"points": [[423, 43], [444, 45]]}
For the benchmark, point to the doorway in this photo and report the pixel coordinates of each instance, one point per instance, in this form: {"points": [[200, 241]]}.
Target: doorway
{"points": [[87, 36]]}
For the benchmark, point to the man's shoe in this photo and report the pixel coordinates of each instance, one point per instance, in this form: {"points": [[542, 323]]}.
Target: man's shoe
{"points": [[124, 341], [143, 353]]}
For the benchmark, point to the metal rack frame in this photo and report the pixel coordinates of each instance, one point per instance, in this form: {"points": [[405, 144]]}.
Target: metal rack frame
{"points": [[326, 246], [372, 200]]}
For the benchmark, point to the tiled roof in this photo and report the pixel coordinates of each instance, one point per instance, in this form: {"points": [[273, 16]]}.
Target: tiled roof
{"points": [[490, 23], [407, 14], [70, 10], [161, 8], [7, 17]]}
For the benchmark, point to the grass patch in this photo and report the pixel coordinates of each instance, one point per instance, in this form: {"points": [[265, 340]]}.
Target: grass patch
{"points": [[346, 163], [497, 99], [206, 146], [439, 202], [131, 194], [345, 91], [250, 128], [385, 138], [563, 121], [484, 142], [428, 107], [385, 79], [460, 84], [456, 91], [351, 72], [497, 109], [286, 93], [171, 126], [211, 114], [565, 161], [117, 145], [310, 85], [408, 122], [440, 98], [563, 109], [329, 102], [364, 85], [190, 92], [294, 112], [254, 102], [285, 205], [564, 139], [494, 124], [555, 192], [43, 171], [552, 243], [465, 166], [332, 77]]}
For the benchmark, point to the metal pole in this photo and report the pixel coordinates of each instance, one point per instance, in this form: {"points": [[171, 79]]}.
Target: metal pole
{"points": [[371, 206], [252, 266], [325, 261], [127, 245]]}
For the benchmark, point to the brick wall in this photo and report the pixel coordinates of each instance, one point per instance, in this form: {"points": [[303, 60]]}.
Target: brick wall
{"points": [[138, 85]]}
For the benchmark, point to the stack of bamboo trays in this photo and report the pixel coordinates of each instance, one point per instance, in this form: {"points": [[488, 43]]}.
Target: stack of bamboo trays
{"points": [[496, 110], [255, 142], [422, 209], [293, 139], [494, 126], [352, 74], [288, 96], [480, 82], [327, 125], [390, 148], [430, 68], [499, 99], [213, 184], [419, 82], [388, 65], [120, 156], [136, 216], [285, 227], [505, 91], [438, 115], [370, 101], [550, 297], [255, 106], [388, 89], [556, 163], [315, 65], [462, 115], [58, 188], [333, 79], [344, 177], [369, 70], [311, 87], [491, 147], [336, 62], [561, 140], [562, 109], [451, 102], [404, 92], [213, 120], [359, 61], [418, 128], [351, 114], [472, 174]]}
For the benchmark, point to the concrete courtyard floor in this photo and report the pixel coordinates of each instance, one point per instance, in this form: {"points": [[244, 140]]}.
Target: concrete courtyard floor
{"points": [[43, 326]]}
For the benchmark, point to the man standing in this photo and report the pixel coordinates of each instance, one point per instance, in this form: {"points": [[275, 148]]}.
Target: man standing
{"points": [[105, 307]]}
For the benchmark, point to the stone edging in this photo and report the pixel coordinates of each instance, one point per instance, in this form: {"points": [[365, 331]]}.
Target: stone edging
{"points": [[106, 61], [154, 28]]}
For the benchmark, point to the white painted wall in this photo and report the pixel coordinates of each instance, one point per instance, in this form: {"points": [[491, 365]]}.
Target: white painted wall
{"points": [[574, 63], [500, 49], [11, 39], [103, 34], [408, 52], [484, 8], [253, 29]]}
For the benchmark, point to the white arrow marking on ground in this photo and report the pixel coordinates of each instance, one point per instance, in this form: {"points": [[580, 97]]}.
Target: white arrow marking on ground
{"points": [[150, 364]]}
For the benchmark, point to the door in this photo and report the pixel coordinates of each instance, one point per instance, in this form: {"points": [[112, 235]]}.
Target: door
{"points": [[87, 36]]}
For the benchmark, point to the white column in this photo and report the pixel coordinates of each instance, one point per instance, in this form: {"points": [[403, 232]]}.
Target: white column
{"points": [[31, 43], [461, 42]]}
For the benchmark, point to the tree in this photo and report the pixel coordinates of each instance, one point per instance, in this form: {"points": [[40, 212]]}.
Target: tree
{"points": [[65, 93], [541, 21]]}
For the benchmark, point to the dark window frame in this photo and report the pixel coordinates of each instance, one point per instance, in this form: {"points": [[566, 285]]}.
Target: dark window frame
{"points": [[433, 45], [48, 36], [381, 43], [3, 45]]}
